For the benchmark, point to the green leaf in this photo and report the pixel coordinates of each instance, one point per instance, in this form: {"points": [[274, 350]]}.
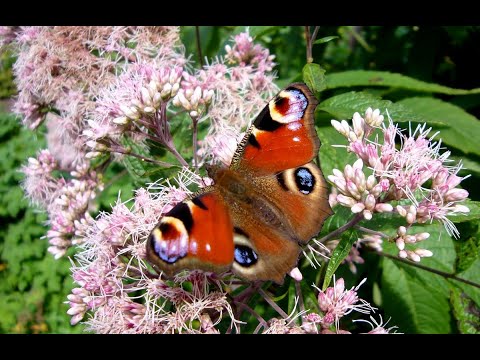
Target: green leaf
{"points": [[458, 128], [474, 213], [385, 78], [339, 254], [343, 106], [340, 217], [472, 274], [138, 169], [332, 157], [439, 243], [291, 296], [14, 201], [468, 246], [465, 312], [325, 39], [314, 77], [469, 165], [417, 300], [257, 31]]}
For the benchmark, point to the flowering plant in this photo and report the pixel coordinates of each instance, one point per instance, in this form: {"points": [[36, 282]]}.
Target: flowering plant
{"points": [[129, 101]]}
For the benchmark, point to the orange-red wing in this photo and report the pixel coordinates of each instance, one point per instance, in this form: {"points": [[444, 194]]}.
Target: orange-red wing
{"points": [[283, 135], [195, 234]]}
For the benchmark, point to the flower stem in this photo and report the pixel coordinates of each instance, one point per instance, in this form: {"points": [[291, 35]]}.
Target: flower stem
{"points": [[195, 136], [314, 35], [298, 291], [309, 47], [179, 157], [355, 220], [115, 178], [373, 232], [245, 294], [423, 267], [357, 37], [199, 48], [272, 303], [310, 39], [257, 329], [260, 319], [143, 158]]}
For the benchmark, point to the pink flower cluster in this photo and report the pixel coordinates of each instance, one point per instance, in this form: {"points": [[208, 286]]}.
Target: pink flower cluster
{"points": [[60, 72], [334, 303], [65, 200], [119, 288], [400, 168]]}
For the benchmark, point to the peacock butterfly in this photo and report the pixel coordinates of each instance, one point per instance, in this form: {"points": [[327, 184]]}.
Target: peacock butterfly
{"points": [[271, 199]]}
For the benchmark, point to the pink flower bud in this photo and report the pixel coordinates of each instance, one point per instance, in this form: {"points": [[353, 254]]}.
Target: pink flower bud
{"points": [[357, 208], [349, 172], [146, 97], [370, 202], [371, 182], [337, 125], [401, 210], [400, 243], [347, 201], [358, 125], [423, 252], [367, 214], [358, 164], [360, 180], [353, 190], [410, 239], [422, 236], [384, 207], [412, 256], [296, 274], [456, 195]]}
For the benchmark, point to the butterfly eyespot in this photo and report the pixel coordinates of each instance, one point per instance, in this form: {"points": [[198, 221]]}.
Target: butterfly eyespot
{"points": [[305, 180], [169, 241], [245, 256]]}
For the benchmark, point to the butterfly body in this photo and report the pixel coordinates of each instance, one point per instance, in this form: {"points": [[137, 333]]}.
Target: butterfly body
{"points": [[271, 199]]}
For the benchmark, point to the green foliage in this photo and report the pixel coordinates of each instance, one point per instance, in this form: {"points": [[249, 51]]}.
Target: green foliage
{"points": [[33, 286], [471, 274], [457, 128], [314, 77], [339, 254], [466, 313], [325, 39], [384, 78], [7, 87], [474, 213], [416, 300]]}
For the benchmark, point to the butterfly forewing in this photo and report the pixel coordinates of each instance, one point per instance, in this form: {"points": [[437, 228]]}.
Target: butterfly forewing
{"points": [[195, 234], [283, 135]]}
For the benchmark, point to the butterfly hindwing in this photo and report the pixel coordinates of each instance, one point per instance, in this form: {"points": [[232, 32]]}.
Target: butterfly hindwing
{"points": [[195, 234], [263, 248], [271, 216], [301, 194]]}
